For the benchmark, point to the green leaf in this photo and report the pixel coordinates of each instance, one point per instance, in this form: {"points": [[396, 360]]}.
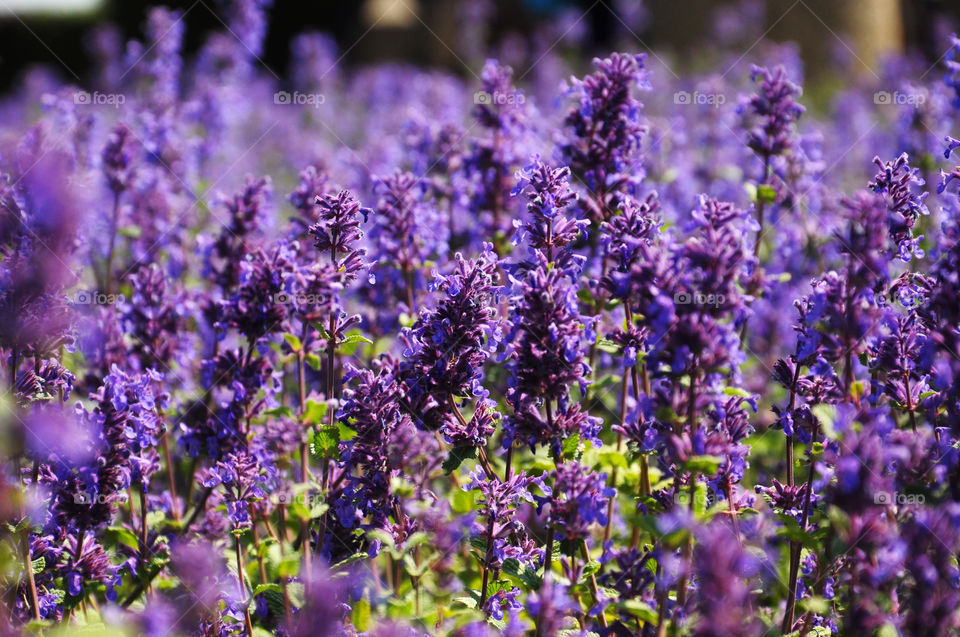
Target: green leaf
{"points": [[313, 361], [130, 231], [274, 599], [263, 588], [314, 413], [766, 193], [469, 602], [355, 337], [352, 340], [704, 464], [571, 447], [888, 630], [116, 535], [522, 572], [605, 345], [38, 564], [293, 341], [457, 456], [791, 530], [640, 610], [827, 415], [325, 442], [289, 566], [282, 412], [612, 458], [817, 605], [591, 567], [353, 559], [361, 614], [737, 391]]}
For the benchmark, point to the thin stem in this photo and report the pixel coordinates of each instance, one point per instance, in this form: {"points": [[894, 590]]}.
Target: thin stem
{"points": [[416, 582], [302, 395], [115, 218], [282, 541], [241, 587], [171, 476], [489, 555], [142, 585], [481, 452], [662, 614], [795, 547], [28, 569], [913, 417], [760, 206], [256, 548], [585, 552], [613, 474], [143, 521]]}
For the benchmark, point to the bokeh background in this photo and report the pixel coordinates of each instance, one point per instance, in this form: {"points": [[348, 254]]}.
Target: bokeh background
{"points": [[453, 34]]}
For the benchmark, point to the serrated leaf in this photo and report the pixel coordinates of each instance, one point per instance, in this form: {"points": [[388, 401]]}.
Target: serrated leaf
{"points": [[274, 598], [356, 337], [571, 447], [325, 442], [522, 572], [591, 567], [263, 588], [349, 344]]}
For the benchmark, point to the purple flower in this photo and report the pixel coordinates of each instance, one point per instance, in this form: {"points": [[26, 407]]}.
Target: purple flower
{"points": [[244, 482], [338, 229], [579, 500], [602, 146], [447, 346], [772, 112], [894, 181]]}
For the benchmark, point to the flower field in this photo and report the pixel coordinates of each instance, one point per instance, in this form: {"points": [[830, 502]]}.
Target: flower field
{"points": [[545, 346]]}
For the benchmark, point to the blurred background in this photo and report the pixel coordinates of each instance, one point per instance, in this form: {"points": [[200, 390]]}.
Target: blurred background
{"points": [[434, 32]]}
